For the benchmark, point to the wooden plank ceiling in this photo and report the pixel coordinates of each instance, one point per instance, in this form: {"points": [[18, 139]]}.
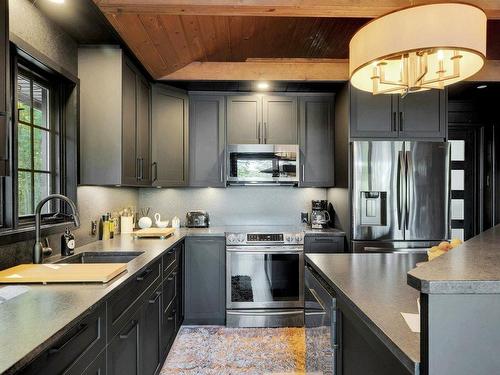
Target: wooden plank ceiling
{"points": [[166, 43]]}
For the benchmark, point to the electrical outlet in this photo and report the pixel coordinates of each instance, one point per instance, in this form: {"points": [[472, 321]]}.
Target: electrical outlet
{"points": [[304, 217], [93, 227]]}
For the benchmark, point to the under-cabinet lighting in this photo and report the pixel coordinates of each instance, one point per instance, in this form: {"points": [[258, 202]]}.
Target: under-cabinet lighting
{"points": [[481, 87], [57, 1]]}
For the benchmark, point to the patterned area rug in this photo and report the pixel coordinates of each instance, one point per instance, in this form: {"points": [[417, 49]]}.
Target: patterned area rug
{"points": [[221, 350]]}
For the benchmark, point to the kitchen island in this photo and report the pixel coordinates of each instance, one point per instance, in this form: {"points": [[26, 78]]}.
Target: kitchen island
{"points": [[371, 292]]}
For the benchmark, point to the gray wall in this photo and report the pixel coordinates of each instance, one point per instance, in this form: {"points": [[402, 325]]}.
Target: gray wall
{"points": [[28, 24], [234, 205]]}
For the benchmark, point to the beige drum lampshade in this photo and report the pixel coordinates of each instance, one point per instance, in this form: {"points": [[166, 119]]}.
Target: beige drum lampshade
{"points": [[418, 48]]}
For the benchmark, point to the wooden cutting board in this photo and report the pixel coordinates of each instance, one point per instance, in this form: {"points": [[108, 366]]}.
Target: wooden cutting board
{"points": [[154, 232], [61, 273]]}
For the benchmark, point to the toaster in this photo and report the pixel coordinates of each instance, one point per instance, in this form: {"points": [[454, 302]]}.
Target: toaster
{"points": [[197, 219]]}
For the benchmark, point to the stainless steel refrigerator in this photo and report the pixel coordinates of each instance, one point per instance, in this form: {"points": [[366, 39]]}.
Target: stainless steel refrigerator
{"points": [[400, 195]]}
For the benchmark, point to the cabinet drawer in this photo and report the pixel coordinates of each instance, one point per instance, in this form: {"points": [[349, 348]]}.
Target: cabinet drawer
{"points": [[170, 259], [98, 367], [169, 326], [170, 288], [121, 304], [79, 346], [324, 244]]}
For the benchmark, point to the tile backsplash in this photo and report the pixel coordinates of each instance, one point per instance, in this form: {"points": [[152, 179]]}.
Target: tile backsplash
{"points": [[256, 205]]}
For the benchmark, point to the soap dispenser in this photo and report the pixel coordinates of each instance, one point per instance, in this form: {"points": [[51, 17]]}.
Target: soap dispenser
{"points": [[67, 243]]}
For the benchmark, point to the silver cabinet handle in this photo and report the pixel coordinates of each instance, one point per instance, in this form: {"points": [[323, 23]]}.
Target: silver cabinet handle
{"points": [[137, 169], [265, 132], [155, 171], [302, 178], [258, 132]]}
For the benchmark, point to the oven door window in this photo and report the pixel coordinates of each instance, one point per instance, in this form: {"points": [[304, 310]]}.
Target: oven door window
{"points": [[261, 280]]}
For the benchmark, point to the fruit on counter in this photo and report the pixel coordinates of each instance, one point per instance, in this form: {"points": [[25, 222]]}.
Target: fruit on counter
{"points": [[442, 248], [435, 252], [445, 246]]}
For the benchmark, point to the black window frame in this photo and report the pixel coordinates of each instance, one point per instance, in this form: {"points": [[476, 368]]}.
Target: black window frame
{"points": [[54, 131], [65, 88]]}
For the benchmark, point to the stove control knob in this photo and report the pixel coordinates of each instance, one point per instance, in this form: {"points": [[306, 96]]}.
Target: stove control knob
{"points": [[231, 238], [288, 238], [298, 237], [241, 238]]}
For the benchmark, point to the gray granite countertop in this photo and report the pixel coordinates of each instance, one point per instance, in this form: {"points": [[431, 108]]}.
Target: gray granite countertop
{"points": [[375, 287], [32, 321], [324, 232], [471, 268]]}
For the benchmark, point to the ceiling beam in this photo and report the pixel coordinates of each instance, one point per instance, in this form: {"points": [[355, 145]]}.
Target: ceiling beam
{"points": [[269, 70], [280, 8], [289, 70]]}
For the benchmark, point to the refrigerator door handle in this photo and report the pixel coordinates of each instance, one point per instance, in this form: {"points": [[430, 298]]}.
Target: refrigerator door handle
{"points": [[409, 167], [401, 172]]}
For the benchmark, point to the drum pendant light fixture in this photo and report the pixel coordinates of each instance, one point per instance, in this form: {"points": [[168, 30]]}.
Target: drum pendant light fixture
{"points": [[418, 48]]}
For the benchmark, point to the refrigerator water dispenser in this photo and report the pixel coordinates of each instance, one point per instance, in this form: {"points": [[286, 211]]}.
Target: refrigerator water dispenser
{"points": [[373, 208]]}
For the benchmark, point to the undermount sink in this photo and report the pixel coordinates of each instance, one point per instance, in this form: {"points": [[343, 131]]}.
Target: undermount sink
{"points": [[101, 257]]}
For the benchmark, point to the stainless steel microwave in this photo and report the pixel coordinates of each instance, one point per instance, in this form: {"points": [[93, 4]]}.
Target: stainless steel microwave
{"points": [[266, 164]]}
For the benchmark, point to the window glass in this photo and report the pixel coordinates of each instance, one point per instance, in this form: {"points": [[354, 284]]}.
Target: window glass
{"points": [[34, 134]]}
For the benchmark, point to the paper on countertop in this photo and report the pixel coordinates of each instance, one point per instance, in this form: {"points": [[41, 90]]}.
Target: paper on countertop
{"points": [[413, 320], [12, 291]]}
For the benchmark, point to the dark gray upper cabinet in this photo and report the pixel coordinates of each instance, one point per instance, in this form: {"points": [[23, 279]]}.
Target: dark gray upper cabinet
{"points": [[206, 141], [279, 125], [316, 130], [244, 119], [373, 116], [169, 137], [114, 129], [4, 86], [262, 119], [420, 115], [205, 268], [423, 115]]}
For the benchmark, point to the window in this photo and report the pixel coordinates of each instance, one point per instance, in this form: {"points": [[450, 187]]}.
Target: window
{"points": [[36, 142], [43, 145]]}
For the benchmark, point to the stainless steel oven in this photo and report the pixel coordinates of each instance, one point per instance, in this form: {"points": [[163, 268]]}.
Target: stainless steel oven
{"points": [[264, 279], [263, 164]]}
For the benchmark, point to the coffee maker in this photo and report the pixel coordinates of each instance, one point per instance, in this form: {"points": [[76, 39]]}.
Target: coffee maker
{"points": [[320, 218]]}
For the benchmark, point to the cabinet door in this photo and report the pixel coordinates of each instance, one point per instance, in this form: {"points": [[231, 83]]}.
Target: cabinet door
{"points": [[316, 141], [244, 119], [373, 115], [124, 349], [150, 333], [205, 280], [169, 137], [4, 79], [143, 131], [279, 120], [98, 367], [423, 115], [206, 141], [130, 164]]}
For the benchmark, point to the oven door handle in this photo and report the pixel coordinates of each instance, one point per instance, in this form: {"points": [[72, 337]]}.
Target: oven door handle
{"points": [[267, 250], [264, 313]]}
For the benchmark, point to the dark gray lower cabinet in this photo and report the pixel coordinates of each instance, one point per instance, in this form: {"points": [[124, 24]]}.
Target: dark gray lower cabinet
{"points": [[151, 333], [76, 349], [124, 348], [130, 333], [324, 244], [205, 280]]}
